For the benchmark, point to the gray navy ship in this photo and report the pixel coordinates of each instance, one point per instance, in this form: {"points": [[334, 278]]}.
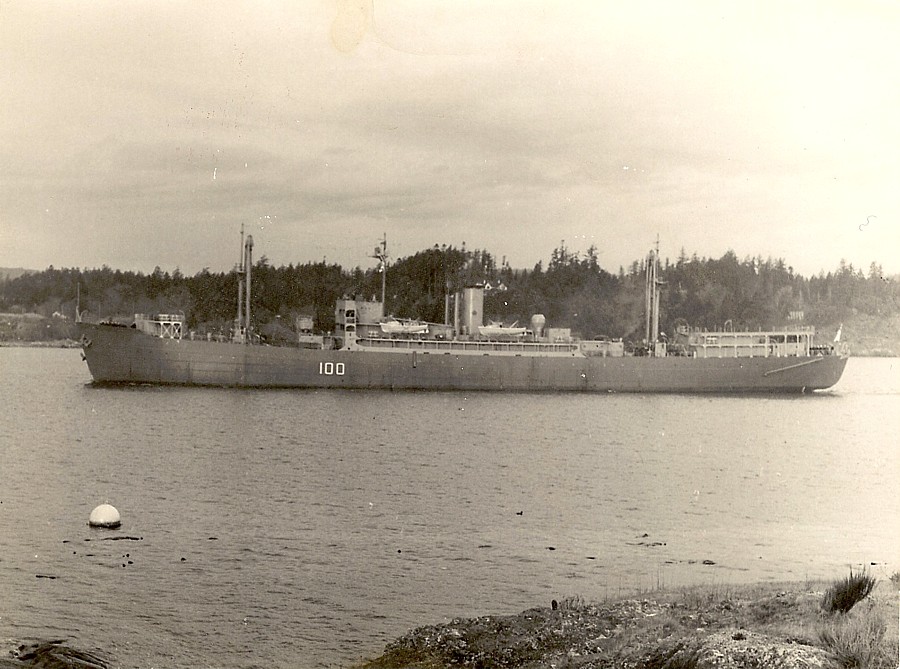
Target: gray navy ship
{"points": [[371, 351]]}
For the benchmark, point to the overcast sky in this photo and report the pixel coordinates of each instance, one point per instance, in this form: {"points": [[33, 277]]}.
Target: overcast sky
{"points": [[144, 133]]}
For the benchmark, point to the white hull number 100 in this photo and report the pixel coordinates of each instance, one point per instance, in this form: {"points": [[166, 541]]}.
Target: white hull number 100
{"points": [[331, 368]]}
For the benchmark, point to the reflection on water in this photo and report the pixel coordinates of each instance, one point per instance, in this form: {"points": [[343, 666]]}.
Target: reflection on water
{"points": [[277, 527]]}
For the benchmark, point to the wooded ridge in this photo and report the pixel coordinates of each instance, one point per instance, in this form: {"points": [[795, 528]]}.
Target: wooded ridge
{"points": [[572, 290]]}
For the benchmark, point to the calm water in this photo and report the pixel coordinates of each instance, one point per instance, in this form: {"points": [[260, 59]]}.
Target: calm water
{"points": [[292, 528]]}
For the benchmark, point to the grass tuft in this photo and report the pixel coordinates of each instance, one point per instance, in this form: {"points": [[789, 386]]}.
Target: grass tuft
{"points": [[677, 657], [845, 593], [573, 603], [858, 642]]}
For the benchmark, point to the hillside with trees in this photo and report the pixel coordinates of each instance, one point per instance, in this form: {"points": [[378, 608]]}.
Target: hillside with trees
{"points": [[572, 290]]}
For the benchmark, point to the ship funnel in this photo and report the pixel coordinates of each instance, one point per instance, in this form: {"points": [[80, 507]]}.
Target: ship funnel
{"points": [[537, 325], [473, 309]]}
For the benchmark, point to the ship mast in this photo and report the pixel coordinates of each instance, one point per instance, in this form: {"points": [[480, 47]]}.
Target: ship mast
{"points": [[242, 322], [248, 263], [381, 255], [239, 268], [651, 300]]}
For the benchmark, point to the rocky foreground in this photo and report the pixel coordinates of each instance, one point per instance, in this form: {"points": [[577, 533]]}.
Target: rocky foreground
{"points": [[759, 627], [708, 628]]}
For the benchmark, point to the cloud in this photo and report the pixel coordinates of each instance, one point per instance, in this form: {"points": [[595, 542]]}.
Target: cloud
{"points": [[151, 130]]}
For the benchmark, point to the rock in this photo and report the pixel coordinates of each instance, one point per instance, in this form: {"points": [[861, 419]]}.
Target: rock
{"points": [[732, 648], [53, 655]]}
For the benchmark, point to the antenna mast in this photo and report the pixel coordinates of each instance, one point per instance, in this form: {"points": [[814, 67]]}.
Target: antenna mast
{"points": [[381, 255]]}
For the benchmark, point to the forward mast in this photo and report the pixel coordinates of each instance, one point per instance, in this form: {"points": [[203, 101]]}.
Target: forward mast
{"points": [[242, 322]]}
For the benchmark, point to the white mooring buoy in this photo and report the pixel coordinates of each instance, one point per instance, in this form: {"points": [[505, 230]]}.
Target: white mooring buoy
{"points": [[105, 515]]}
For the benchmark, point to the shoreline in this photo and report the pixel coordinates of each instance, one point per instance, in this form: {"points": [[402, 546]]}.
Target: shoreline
{"points": [[703, 627]]}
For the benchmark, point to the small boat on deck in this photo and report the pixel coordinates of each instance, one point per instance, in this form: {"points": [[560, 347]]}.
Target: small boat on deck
{"points": [[395, 326], [495, 330]]}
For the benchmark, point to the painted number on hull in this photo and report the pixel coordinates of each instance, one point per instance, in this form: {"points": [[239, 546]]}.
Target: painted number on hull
{"points": [[331, 368]]}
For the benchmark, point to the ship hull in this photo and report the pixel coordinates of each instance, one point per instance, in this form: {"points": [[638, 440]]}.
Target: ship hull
{"points": [[125, 355]]}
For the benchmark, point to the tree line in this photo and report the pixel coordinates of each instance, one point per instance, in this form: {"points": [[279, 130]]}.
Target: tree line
{"points": [[571, 290]]}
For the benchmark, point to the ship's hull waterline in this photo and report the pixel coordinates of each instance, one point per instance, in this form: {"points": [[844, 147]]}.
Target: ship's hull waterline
{"points": [[123, 355]]}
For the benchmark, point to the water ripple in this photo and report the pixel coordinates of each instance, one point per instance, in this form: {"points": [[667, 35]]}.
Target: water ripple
{"points": [[278, 525]]}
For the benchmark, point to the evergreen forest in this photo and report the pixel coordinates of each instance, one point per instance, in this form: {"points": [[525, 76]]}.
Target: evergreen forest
{"points": [[571, 290]]}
